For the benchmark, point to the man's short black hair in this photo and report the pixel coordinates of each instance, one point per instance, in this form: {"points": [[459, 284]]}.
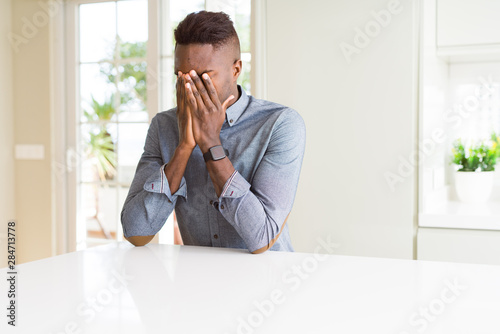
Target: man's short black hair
{"points": [[204, 27]]}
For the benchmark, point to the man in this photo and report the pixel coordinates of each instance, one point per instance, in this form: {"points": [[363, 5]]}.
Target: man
{"points": [[228, 163]]}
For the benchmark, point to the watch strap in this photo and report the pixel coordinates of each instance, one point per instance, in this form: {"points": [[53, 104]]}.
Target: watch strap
{"points": [[207, 156]]}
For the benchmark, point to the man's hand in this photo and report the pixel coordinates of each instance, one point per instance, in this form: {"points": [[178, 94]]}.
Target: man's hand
{"points": [[175, 168], [184, 119], [207, 113]]}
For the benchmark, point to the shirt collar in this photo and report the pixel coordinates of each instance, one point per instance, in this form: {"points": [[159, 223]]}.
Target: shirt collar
{"points": [[234, 112]]}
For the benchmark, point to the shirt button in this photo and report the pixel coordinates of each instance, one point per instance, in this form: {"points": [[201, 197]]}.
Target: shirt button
{"points": [[222, 206], [211, 202], [216, 236], [230, 121]]}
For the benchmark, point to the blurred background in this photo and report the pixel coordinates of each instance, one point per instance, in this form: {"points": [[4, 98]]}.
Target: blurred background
{"points": [[401, 101]]}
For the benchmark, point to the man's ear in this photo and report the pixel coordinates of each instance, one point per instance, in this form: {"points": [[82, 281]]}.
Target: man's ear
{"points": [[237, 68]]}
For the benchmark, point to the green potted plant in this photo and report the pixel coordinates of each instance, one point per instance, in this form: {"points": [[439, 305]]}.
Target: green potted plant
{"points": [[100, 150], [475, 168], [100, 147]]}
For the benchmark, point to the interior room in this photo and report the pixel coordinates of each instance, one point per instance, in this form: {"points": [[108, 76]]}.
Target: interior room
{"points": [[395, 221]]}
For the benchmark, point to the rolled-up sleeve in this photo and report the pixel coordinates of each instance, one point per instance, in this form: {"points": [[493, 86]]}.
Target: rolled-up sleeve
{"points": [[259, 210], [158, 183], [149, 201]]}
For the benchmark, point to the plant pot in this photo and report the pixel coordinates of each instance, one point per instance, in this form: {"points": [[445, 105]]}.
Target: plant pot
{"points": [[474, 187]]}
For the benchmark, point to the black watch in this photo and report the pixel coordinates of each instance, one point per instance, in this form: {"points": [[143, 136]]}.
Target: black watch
{"points": [[215, 153]]}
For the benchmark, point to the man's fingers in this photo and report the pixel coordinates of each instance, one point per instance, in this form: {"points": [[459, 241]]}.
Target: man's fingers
{"points": [[190, 98], [194, 91], [179, 86], [212, 92], [200, 86]]}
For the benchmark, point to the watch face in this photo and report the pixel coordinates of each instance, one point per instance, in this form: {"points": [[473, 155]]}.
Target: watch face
{"points": [[217, 152]]}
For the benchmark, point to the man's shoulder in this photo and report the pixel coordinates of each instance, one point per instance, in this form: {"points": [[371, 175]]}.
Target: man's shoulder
{"points": [[266, 105], [279, 111], [166, 116], [165, 119]]}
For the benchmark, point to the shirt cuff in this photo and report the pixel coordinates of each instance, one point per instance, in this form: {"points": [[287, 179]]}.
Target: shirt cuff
{"points": [[158, 183], [236, 186]]}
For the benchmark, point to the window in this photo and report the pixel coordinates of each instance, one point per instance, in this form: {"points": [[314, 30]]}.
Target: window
{"points": [[111, 116], [460, 103]]}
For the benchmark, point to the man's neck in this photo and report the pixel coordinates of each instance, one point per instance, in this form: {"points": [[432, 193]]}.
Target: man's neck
{"points": [[237, 95]]}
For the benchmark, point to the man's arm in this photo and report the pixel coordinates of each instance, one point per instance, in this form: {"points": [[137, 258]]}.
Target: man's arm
{"points": [[257, 211], [260, 210], [140, 240], [155, 188], [150, 201], [174, 171]]}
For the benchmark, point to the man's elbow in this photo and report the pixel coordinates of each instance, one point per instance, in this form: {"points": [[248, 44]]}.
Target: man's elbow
{"points": [[271, 243], [265, 248], [140, 240]]}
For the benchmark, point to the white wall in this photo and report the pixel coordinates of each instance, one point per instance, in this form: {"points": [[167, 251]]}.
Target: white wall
{"points": [[360, 118], [32, 125], [7, 190]]}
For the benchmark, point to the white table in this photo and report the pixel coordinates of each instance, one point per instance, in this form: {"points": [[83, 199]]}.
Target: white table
{"points": [[119, 288]]}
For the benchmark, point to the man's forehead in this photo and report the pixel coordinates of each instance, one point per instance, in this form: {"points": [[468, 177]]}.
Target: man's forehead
{"points": [[197, 57]]}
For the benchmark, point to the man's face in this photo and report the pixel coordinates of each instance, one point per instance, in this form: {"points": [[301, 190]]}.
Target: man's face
{"points": [[218, 64]]}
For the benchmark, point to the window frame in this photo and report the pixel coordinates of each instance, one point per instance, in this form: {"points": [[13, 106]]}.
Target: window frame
{"points": [[72, 122]]}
